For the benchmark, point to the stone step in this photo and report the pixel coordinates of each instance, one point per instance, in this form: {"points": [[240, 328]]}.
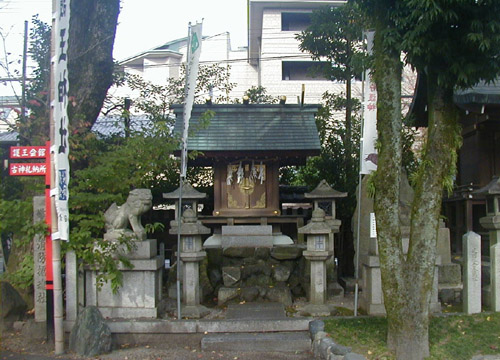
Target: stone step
{"points": [[138, 326], [275, 341]]}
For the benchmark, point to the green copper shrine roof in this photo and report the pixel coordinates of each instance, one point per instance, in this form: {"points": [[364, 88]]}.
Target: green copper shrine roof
{"points": [[253, 127]]}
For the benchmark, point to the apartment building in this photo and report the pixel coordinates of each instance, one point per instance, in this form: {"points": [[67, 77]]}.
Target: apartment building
{"points": [[272, 58]]}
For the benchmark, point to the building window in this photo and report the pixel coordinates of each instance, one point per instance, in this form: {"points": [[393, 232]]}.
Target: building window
{"points": [[303, 70], [295, 21]]}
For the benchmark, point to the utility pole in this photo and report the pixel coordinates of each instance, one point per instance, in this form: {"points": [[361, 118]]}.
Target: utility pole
{"points": [[23, 83]]}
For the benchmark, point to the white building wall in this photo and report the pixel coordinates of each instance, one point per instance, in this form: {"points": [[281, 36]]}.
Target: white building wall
{"points": [[242, 73], [278, 46]]}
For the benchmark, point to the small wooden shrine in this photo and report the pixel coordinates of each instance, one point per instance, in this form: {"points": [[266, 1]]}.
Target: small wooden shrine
{"points": [[254, 248], [246, 144]]}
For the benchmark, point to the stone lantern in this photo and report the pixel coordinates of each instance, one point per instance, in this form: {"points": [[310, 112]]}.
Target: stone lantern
{"points": [[491, 221], [324, 197], [191, 255], [190, 198], [317, 232]]}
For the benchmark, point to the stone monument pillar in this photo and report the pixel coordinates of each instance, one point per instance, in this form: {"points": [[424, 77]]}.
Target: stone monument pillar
{"points": [[324, 197], [471, 248], [191, 255], [39, 262], [317, 232]]}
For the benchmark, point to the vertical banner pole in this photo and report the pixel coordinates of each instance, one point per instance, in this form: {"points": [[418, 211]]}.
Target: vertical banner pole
{"points": [[59, 178], [192, 60], [367, 150]]}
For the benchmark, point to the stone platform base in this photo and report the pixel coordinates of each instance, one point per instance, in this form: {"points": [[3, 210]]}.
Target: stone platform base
{"points": [[140, 293]]}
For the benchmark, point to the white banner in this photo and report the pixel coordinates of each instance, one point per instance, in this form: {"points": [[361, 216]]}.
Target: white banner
{"points": [[59, 105], [193, 58], [369, 153]]}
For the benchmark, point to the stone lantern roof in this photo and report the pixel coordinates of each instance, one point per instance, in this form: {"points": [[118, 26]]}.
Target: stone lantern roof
{"points": [[493, 188], [188, 192], [324, 191]]}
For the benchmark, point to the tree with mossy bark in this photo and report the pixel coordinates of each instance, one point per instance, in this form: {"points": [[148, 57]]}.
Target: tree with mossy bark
{"points": [[456, 44]]}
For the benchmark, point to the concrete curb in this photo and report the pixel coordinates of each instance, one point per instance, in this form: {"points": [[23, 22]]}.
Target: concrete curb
{"points": [[324, 347]]}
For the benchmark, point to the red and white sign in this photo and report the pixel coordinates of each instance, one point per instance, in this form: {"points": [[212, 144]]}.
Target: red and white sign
{"points": [[27, 169], [28, 152]]}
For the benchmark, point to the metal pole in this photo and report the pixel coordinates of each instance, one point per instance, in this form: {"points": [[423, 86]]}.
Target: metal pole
{"points": [[358, 227], [181, 184], [179, 225], [23, 84]]}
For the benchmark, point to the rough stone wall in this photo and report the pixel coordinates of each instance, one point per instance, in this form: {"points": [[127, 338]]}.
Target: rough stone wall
{"points": [[257, 274]]}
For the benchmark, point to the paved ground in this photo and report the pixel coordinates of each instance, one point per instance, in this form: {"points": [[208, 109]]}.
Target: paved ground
{"points": [[173, 347], [170, 346]]}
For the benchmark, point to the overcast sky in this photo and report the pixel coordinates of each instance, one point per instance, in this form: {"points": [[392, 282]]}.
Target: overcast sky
{"points": [[142, 24]]}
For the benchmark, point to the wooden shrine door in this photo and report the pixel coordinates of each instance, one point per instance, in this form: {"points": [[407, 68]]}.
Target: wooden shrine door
{"points": [[246, 188]]}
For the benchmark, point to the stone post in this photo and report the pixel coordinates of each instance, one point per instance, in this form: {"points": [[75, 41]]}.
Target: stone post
{"points": [[495, 277], [72, 286], [471, 248], [39, 262], [191, 256], [317, 253]]}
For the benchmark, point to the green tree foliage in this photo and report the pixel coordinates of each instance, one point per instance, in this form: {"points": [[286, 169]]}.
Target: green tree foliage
{"points": [[335, 33], [35, 131], [16, 193], [142, 159], [330, 164], [259, 95]]}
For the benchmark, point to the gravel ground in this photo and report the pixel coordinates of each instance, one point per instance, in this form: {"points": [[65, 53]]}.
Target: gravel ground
{"points": [[15, 346], [174, 346]]}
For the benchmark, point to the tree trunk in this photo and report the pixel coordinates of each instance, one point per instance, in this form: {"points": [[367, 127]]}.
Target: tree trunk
{"points": [[90, 58], [407, 278]]}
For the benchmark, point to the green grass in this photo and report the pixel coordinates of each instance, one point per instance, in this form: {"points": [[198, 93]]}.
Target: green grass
{"points": [[451, 337]]}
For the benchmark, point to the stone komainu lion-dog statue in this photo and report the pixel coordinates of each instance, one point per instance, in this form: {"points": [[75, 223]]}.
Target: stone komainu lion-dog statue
{"points": [[118, 218]]}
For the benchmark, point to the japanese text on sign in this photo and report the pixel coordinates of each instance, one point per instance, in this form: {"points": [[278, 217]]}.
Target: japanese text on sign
{"points": [[28, 152], [27, 169]]}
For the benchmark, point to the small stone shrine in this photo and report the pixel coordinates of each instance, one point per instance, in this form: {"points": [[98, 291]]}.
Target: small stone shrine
{"points": [[141, 290]]}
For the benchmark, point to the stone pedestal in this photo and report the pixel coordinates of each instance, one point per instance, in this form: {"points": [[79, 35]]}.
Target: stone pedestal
{"points": [[450, 274], [141, 290], [372, 297], [191, 255]]}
